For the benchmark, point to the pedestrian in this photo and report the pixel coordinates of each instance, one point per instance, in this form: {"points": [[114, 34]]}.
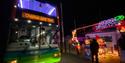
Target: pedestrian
{"points": [[87, 48], [94, 47], [121, 45]]}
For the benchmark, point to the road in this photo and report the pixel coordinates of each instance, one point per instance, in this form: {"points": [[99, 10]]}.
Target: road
{"points": [[73, 58], [109, 58]]}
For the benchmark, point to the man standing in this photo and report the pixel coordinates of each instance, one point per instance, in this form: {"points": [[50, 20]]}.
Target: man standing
{"points": [[94, 46]]}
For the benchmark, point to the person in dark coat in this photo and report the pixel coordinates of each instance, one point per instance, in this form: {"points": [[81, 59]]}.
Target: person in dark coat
{"points": [[94, 47], [121, 45], [121, 41]]}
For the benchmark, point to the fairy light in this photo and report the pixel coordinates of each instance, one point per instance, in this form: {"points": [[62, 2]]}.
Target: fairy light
{"points": [[112, 22]]}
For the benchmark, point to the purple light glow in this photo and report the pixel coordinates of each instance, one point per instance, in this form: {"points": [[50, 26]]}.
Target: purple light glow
{"points": [[38, 6], [106, 24], [21, 5], [18, 4], [50, 12]]}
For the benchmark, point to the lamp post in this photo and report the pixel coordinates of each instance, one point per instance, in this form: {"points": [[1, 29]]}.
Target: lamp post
{"points": [[60, 22]]}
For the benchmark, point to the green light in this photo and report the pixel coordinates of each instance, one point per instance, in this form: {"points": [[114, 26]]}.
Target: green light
{"points": [[120, 17], [37, 58]]}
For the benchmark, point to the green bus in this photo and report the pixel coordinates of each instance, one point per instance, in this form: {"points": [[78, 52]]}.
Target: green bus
{"points": [[34, 33]]}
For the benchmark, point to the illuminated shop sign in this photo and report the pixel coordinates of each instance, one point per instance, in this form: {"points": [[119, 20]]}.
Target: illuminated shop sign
{"points": [[112, 22], [37, 17]]}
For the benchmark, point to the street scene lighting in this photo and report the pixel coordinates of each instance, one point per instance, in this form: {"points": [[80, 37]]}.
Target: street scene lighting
{"points": [[50, 24], [43, 32], [16, 19], [15, 6], [28, 21], [40, 23], [57, 26], [16, 32], [34, 26]]}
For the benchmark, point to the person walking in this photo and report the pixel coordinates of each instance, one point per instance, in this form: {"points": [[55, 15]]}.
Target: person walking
{"points": [[94, 47], [87, 48]]}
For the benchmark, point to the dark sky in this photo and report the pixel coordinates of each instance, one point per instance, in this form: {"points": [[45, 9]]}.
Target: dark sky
{"points": [[86, 12], [89, 12]]}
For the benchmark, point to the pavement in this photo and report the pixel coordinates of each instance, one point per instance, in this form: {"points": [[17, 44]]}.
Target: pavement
{"points": [[109, 58], [73, 58]]}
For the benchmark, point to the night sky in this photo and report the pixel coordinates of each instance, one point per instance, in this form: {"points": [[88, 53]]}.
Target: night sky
{"points": [[86, 12], [89, 12]]}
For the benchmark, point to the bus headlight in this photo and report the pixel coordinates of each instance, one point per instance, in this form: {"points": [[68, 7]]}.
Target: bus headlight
{"points": [[57, 54], [13, 61]]}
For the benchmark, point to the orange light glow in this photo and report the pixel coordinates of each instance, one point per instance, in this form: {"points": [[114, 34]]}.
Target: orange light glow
{"points": [[78, 47], [122, 29], [87, 41], [55, 55], [37, 17], [14, 61], [73, 33]]}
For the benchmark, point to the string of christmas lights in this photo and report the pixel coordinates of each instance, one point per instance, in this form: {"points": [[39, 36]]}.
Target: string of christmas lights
{"points": [[109, 23]]}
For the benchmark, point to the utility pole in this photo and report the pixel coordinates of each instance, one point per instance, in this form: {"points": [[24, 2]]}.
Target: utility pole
{"points": [[62, 29], [60, 15]]}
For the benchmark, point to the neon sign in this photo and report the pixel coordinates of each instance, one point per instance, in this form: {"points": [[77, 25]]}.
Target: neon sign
{"points": [[37, 17]]}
